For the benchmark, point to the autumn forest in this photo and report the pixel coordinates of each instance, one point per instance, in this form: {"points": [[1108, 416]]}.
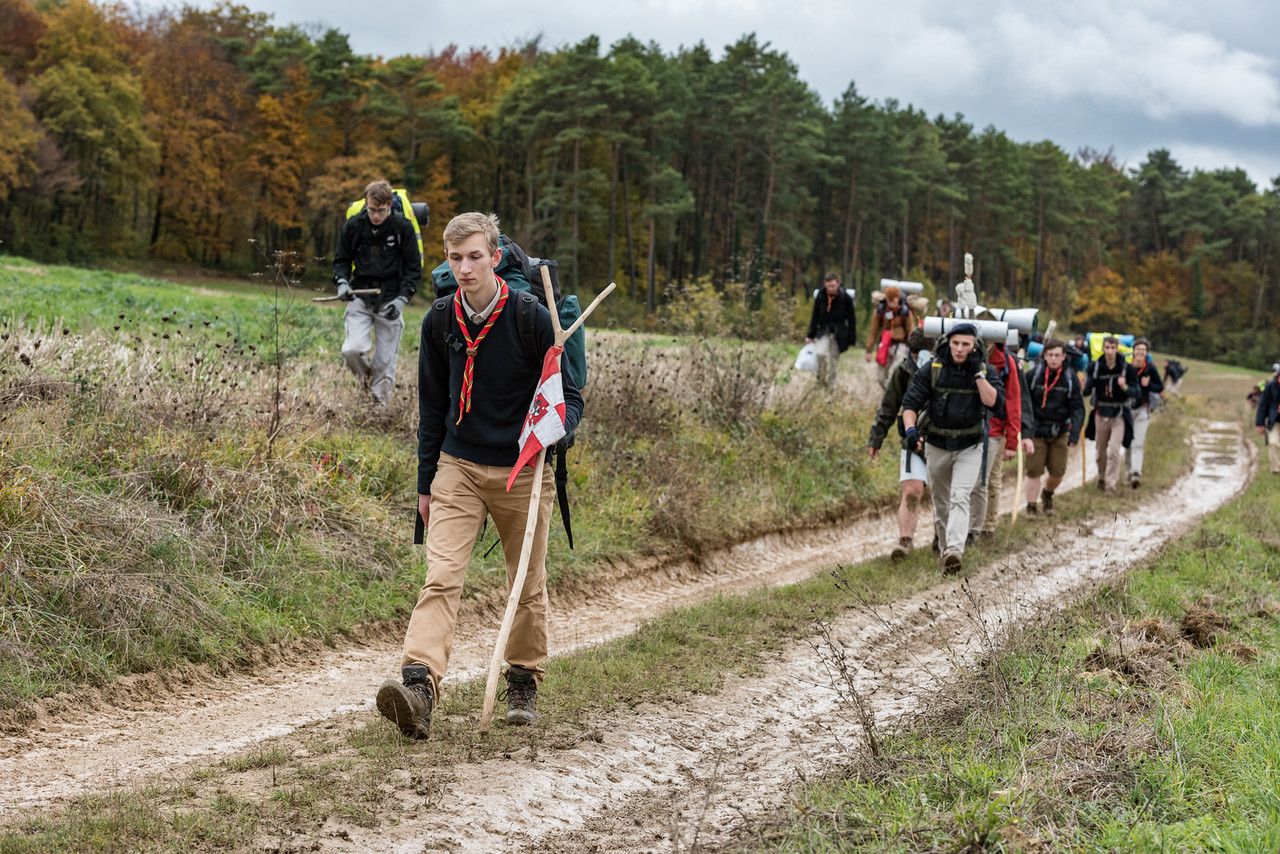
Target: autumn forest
{"points": [[182, 135]]}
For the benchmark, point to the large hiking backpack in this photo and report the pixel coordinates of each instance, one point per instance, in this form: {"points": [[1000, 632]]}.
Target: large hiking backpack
{"points": [[523, 276], [418, 213]]}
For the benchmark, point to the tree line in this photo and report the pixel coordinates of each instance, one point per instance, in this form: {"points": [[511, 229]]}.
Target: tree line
{"points": [[183, 134]]}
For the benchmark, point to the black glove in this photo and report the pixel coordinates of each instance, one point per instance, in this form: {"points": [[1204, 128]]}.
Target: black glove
{"points": [[392, 310], [344, 291], [915, 442]]}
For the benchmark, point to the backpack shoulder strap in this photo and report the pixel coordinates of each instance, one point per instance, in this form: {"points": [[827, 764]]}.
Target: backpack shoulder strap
{"points": [[527, 325], [438, 326]]}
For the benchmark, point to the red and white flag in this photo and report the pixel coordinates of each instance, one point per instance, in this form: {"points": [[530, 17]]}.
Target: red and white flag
{"points": [[544, 425]]}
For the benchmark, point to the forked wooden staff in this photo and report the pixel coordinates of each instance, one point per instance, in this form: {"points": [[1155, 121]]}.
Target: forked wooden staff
{"points": [[359, 292], [526, 548]]}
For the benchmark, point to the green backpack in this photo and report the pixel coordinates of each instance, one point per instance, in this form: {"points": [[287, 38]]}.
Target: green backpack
{"points": [[522, 273]]}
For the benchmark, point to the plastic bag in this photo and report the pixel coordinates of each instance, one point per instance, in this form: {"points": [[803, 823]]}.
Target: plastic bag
{"points": [[808, 358]]}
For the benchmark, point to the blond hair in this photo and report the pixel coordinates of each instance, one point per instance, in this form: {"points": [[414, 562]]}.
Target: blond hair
{"points": [[464, 225], [378, 193]]}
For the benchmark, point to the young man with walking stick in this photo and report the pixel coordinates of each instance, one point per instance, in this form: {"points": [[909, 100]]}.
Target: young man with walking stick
{"points": [[474, 393]]}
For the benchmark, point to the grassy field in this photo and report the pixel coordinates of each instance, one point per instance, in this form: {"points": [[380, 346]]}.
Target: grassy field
{"points": [[941, 786], [187, 472]]}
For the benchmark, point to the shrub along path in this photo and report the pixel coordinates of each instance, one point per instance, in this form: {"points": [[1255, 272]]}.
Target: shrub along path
{"points": [[150, 725]]}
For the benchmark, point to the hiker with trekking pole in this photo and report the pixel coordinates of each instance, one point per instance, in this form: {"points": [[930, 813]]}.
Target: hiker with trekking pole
{"points": [[376, 268], [479, 392]]}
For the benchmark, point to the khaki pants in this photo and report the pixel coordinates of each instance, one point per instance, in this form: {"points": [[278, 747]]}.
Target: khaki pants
{"points": [[984, 506], [462, 494], [952, 475], [828, 359], [1272, 438], [1110, 441], [371, 346], [1134, 454]]}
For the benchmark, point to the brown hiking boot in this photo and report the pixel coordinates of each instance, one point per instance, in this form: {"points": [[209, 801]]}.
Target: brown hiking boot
{"points": [[1137, 481], [522, 696], [1102, 486], [1033, 510], [951, 563], [1046, 498], [409, 705], [901, 550]]}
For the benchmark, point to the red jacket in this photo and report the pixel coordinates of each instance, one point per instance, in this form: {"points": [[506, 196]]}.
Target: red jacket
{"points": [[1008, 426]]}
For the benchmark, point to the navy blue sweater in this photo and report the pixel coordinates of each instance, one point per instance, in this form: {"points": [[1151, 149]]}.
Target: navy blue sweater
{"points": [[504, 383]]}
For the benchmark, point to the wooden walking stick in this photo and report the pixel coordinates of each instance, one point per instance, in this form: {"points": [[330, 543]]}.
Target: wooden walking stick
{"points": [[360, 292], [1022, 481], [530, 528]]}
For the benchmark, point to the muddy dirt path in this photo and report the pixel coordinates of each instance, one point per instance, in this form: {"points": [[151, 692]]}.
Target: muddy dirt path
{"points": [[150, 727], [701, 769]]}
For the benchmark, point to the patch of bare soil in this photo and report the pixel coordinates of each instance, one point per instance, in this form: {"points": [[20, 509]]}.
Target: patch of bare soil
{"points": [[152, 724]]}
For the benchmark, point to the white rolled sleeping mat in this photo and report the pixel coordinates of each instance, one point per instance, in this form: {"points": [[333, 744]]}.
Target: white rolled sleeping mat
{"points": [[1021, 319], [853, 292], [1014, 341], [988, 330], [905, 287]]}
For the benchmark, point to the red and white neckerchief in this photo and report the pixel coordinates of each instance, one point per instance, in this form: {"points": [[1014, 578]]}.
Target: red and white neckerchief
{"points": [[1049, 386], [473, 345]]}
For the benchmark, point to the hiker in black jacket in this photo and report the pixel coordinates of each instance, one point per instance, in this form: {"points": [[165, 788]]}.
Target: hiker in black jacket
{"points": [[377, 249], [1267, 420], [959, 391], [474, 396], [1057, 411], [832, 327], [913, 471], [1149, 384], [1112, 383]]}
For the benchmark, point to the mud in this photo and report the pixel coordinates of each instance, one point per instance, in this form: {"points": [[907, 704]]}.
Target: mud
{"points": [[699, 766]]}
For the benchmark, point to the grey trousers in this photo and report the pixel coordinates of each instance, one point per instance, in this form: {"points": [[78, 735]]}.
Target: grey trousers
{"points": [[1134, 454], [828, 359], [1110, 442], [370, 348], [952, 476], [984, 507]]}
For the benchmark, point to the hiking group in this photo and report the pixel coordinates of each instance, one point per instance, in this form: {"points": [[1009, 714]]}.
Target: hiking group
{"points": [[963, 406], [490, 365]]}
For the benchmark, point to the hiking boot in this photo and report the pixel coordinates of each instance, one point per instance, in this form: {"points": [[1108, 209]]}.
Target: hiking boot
{"points": [[409, 705], [1102, 486], [937, 550], [969, 539], [901, 550], [986, 536], [1136, 482], [1046, 498], [522, 696], [1033, 510], [951, 563]]}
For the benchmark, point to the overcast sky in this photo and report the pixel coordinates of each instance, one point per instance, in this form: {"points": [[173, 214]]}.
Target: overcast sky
{"points": [[1201, 79]]}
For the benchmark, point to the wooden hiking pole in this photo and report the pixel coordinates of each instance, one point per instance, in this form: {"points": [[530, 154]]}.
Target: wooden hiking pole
{"points": [[1022, 481], [530, 528], [360, 292]]}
